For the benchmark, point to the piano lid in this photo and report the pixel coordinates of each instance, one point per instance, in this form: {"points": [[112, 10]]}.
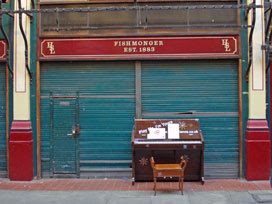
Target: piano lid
{"points": [[167, 129]]}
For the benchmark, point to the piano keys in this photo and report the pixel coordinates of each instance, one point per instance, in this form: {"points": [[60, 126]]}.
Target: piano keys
{"points": [[147, 142]]}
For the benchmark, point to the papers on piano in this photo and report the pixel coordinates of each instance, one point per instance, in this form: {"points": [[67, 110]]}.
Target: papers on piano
{"points": [[156, 133], [173, 131]]}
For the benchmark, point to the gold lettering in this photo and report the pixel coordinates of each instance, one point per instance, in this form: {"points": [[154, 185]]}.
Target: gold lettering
{"points": [[225, 43], [140, 43], [155, 42], [134, 43], [130, 49], [145, 43], [51, 47], [150, 43], [160, 42], [115, 43]]}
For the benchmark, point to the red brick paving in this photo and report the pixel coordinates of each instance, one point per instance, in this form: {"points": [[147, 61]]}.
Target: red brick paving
{"points": [[125, 185]]}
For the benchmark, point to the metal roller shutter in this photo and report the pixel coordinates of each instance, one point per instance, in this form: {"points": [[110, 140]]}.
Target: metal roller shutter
{"points": [[202, 89], [3, 149], [106, 112]]}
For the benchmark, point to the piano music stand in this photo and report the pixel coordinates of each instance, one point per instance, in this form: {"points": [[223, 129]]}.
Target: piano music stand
{"points": [[168, 170]]}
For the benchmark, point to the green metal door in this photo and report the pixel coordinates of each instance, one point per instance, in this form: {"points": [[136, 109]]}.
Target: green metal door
{"points": [[3, 149], [207, 90], [65, 133], [106, 110]]}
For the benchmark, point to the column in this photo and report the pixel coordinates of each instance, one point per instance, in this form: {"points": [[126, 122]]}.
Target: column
{"points": [[257, 134], [21, 143]]}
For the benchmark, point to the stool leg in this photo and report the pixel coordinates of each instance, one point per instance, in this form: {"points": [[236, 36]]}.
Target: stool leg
{"points": [[179, 183], [181, 186], [155, 186]]}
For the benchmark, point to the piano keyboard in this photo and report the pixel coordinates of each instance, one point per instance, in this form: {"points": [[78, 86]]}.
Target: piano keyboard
{"points": [[167, 142]]}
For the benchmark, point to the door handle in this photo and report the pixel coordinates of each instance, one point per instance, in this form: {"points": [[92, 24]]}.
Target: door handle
{"points": [[75, 131], [73, 134]]}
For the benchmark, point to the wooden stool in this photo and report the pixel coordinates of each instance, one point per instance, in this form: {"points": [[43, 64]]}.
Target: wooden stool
{"points": [[168, 170]]}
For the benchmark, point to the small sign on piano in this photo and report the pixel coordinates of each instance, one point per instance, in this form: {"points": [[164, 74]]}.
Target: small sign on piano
{"points": [[156, 133]]}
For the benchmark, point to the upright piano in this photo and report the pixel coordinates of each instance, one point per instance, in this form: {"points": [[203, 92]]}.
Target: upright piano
{"points": [[167, 140]]}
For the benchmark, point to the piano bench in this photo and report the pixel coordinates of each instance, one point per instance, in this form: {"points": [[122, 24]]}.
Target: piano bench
{"points": [[168, 170]]}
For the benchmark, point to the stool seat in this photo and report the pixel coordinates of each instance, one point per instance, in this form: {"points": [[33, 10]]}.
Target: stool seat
{"points": [[168, 170], [166, 167]]}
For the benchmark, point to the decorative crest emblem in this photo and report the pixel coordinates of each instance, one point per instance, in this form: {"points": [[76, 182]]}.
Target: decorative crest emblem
{"points": [[143, 161], [183, 125]]}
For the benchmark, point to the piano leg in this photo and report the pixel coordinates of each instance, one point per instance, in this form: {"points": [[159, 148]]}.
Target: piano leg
{"points": [[202, 180], [133, 181]]}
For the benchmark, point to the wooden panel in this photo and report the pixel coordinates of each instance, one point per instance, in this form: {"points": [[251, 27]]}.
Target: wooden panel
{"points": [[188, 128], [143, 170]]}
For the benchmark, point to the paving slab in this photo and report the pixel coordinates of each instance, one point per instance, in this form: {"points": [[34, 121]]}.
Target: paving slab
{"points": [[130, 200], [263, 197], [240, 197], [261, 192], [209, 197], [246, 203], [170, 197], [132, 193]]}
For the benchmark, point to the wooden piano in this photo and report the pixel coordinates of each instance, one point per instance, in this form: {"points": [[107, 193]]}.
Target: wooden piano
{"points": [[167, 140]]}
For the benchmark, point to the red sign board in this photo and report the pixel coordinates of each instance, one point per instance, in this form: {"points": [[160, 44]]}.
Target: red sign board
{"points": [[3, 48], [140, 48]]}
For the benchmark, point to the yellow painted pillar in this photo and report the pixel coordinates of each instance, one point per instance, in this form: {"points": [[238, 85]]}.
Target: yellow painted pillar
{"points": [[257, 89], [20, 142], [257, 134], [21, 84]]}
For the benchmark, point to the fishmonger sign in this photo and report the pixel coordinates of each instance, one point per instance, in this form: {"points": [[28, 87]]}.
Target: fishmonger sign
{"points": [[139, 48]]}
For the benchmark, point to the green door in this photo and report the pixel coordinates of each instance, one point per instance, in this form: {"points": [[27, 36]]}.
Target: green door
{"points": [[65, 132], [3, 149], [203, 89]]}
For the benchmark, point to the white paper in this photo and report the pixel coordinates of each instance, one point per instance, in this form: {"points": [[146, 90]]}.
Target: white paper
{"points": [[156, 133], [173, 131]]}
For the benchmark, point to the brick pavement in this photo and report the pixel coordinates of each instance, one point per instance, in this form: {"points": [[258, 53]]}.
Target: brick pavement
{"points": [[125, 185]]}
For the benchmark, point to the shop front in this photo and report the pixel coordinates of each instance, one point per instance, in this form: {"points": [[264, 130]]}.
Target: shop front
{"points": [[92, 89]]}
